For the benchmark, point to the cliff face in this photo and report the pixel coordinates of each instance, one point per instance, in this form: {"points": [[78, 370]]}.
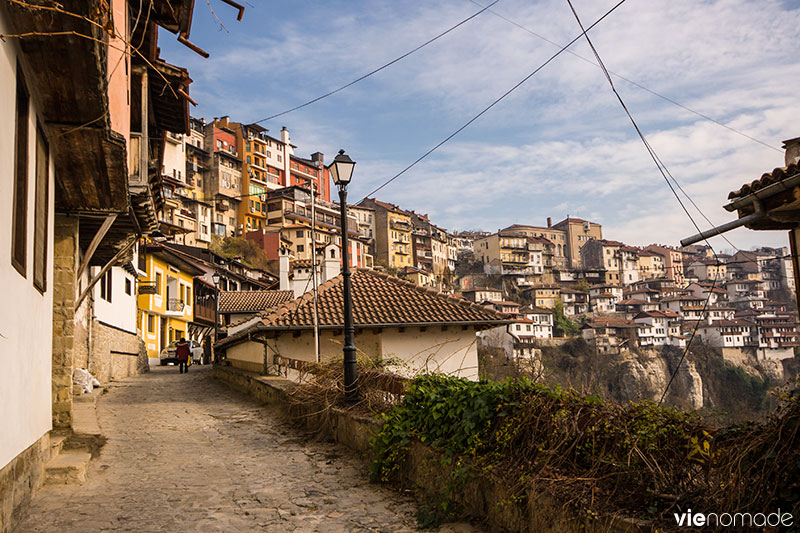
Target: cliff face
{"points": [[725, 390]]}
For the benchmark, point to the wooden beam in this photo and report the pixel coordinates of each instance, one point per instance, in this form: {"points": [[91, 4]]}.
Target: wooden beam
{"points": [[94, 244], [122, 251]]}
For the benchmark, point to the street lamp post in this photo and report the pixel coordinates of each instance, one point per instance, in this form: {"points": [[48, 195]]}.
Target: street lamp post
{"points": [[341, 170], [216, 277]]}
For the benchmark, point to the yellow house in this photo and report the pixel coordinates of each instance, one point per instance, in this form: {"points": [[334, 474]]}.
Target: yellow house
{"points": [[392, 234], [165, 297]]}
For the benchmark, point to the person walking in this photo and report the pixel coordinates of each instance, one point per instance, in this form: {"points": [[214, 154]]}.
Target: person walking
{"points": [[183, 354]]}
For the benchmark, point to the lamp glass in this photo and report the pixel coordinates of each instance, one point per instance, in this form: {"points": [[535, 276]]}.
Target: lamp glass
{"points": [[341, 169], [215, 277]]}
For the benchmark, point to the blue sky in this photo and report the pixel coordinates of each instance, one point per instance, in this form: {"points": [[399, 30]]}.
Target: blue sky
{"points": [[559, 145]]}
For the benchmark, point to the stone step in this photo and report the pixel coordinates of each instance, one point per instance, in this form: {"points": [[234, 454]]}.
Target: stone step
{"points": [[68, 468], [79, 396], [56, 444]]}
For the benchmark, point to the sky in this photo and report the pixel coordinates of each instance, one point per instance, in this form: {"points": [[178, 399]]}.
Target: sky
{"points": [[558, 145]]}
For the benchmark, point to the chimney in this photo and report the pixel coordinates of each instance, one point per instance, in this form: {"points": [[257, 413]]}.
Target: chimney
{"points": [[792, 147], [318, 158], [285, 136], [283, 262], [549, 222]]}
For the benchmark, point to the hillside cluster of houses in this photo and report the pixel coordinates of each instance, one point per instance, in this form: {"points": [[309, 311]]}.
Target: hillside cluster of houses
{"points": [[624, 296]]}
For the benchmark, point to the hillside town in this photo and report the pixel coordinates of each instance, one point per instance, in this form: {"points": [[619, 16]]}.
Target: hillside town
{"points": [[135, 228]]}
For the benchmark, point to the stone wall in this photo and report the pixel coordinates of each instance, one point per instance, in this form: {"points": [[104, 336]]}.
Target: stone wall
{"points": [[115, 354], [64, 269], [20, 479]]}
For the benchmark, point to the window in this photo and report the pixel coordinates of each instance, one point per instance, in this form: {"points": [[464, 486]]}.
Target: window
{"points": [[151, 324], [188, 295], [299, 233], [158, 283], [41, 212], [128, 288], [300, 248], [105, 286], [280, 158], [19, 224]]}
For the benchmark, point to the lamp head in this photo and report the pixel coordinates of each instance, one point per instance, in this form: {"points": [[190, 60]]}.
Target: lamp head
{"points": [[341, 169]]}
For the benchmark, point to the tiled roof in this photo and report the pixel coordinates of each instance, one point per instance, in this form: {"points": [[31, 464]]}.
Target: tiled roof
{"points": [[379, 300], [542, 240], [251, 301], [634, 301], [778, 174]]}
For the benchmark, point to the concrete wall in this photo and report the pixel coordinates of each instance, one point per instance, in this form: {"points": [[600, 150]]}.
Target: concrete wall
{"points": [[26, 315]]}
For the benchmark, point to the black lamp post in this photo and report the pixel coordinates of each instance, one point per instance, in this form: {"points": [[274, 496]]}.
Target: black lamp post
{"points": [[215, 276], [341, 170]]}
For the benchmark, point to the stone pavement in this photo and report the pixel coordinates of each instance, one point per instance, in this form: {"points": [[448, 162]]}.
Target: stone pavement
{"points": [[186, 453]]}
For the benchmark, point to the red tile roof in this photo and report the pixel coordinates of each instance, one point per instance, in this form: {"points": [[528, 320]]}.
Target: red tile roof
{"points": [[379, 300], [778, 174], [251, 301]]}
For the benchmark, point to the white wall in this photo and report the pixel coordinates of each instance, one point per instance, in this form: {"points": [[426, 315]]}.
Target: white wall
{"points": [[26, 315], [453, 351], [175, 158], [121, 311]]}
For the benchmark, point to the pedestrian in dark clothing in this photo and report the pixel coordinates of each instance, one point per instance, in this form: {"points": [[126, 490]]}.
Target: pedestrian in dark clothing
{"points": [[183, 354]]}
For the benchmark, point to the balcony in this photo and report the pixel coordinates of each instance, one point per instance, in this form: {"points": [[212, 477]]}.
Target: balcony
{"points": [[400, 225], [174, 305], [204, 313]]}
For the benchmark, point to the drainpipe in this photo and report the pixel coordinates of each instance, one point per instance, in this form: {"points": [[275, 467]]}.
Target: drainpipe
{"points": [[757, 215], [753, 199]]}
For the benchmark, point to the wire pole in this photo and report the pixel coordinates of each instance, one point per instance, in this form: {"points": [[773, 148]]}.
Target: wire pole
{"points": [[314, 268]]}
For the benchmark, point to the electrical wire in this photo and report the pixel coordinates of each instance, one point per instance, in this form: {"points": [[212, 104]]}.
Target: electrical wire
{"points": [[663, 170], [634, 83], [375, 71], [511, 90]]}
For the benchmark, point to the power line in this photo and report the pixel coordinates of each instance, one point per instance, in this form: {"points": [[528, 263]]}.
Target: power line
{"points": [[511, 90], [663, 170], [368, 74], [634, 83]]}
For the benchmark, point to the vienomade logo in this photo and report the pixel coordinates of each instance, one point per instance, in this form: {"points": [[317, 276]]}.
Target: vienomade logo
{"points": [[690, 519]]}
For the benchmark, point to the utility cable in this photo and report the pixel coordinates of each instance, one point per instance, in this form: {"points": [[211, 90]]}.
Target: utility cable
{"points": [[634, 83], [370, 73], [511, 90], [663, 171]]}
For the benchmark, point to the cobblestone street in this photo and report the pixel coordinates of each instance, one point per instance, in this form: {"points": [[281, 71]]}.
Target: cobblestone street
{"points": [[186, 453]]}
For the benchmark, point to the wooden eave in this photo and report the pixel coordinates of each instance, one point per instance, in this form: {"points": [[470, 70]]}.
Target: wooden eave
{"points": [[68, 75]]}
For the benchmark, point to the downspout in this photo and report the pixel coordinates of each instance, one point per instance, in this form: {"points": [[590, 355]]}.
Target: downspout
{"points": [[753, 199], [755, 216]]}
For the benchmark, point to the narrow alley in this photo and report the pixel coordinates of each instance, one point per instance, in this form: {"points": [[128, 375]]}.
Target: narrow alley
{"points": [[186, 453]]}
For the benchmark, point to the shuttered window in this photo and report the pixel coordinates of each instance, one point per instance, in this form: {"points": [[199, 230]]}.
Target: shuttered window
{"points": [[41, 211], [19, 223]]}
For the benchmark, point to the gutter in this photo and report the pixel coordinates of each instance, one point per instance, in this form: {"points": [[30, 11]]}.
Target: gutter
{"points": [[753, 199]]}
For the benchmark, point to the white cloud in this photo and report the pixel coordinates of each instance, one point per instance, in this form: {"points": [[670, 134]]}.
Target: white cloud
{"points": [[558, 145]]}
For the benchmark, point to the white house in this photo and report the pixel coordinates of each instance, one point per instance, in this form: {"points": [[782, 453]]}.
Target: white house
{"points": [[26, 268], [421, 329]]}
